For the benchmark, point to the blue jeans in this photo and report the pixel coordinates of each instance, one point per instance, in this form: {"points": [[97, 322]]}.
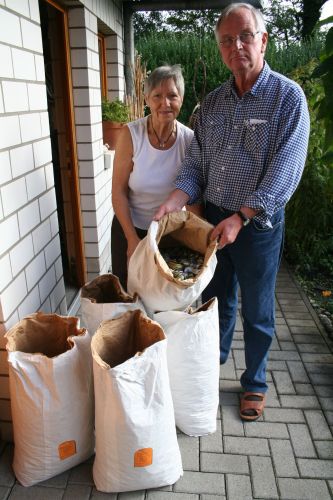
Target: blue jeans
{"points": [[251, 262]]}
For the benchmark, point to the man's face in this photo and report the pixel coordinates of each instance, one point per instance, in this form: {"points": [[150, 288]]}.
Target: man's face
{"points": [[242, 58]]}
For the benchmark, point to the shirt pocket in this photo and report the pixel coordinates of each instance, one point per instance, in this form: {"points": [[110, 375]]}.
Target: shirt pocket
{"points": [[256, 136]]}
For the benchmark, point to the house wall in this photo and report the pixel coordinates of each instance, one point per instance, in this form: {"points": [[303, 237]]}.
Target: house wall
{"points": [[31, 274]]}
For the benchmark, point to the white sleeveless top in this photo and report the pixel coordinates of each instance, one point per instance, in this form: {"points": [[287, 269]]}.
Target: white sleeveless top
{"points": [[154, 171]]}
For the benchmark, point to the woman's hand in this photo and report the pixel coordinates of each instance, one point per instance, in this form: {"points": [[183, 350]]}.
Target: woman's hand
{"points": [[131, 246]]}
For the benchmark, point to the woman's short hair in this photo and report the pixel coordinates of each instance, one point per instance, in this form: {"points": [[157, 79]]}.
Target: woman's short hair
{"points": [[162, 73], [256, 13]]}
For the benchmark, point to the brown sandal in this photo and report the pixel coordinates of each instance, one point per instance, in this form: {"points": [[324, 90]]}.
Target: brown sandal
{"points": [[252, 405]]}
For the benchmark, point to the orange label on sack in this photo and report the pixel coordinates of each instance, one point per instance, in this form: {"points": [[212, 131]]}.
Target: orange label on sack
{"points": [[66, 449], [143, 457]]}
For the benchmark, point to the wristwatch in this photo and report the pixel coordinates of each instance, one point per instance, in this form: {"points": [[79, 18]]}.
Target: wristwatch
{"points": [[245, 220]]}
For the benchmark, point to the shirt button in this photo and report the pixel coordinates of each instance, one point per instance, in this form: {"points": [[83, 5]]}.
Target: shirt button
{"points": [[253, 128], [218, 190], [236, 127], [229, 146], [222, 168]]}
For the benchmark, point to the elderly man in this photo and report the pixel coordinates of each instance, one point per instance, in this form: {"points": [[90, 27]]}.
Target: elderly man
{"points": [[246, 160]]}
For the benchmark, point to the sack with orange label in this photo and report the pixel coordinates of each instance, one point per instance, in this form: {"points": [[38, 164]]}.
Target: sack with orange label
{"points": [[136, 441], [174, 263], [194, 366], [104, 298], [51, 390]]}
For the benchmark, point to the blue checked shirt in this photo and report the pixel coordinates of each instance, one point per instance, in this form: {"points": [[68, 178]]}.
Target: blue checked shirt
{"points": [[251, 150]]}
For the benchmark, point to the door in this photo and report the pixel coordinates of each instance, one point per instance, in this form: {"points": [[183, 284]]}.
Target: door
{"points": [[62, 131]]}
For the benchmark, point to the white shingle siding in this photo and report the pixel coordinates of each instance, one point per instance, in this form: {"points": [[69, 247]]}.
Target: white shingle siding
{"points": [[31, 273]]}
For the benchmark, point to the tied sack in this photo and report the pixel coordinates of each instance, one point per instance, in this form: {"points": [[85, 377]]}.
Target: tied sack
{"points": [[104, 298], [136, 442], [194, 366], [149, 274], [51, 390]]}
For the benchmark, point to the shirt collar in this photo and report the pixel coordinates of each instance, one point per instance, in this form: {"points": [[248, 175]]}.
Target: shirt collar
{"points": [[258, 87]]}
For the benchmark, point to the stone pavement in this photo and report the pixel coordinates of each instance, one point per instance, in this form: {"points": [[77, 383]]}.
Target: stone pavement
{"points": [[287, 454]]}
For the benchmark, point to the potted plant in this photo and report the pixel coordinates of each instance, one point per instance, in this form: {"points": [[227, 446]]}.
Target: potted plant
{"points": [[115, 114]]}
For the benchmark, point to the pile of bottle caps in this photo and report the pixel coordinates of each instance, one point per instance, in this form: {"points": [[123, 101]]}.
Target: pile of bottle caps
{"points": [[183, 262]]}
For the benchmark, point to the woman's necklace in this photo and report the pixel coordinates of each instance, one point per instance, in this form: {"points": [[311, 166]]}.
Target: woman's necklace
{"points": [[162, 143]]}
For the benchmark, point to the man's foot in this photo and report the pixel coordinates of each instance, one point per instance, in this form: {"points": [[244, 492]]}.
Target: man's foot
{"points": [[251, 405]]}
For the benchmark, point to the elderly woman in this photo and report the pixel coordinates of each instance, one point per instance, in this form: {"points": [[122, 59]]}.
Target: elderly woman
{"points": [[148, 156]]}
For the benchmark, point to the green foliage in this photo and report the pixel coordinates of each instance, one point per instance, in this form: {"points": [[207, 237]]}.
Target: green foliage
{"points": [[309, 222], [115, 111], [187, 50]]}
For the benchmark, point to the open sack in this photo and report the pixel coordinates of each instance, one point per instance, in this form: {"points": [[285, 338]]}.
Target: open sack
{"points": [[194, 366], [104, 298], [150, 276], [51, 390], [136, 442]]}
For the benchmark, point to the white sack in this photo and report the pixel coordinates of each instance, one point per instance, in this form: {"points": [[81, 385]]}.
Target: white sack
{"points": [[136, 441], [104, 298], [51, 390], [194, 365], [149, 275]]}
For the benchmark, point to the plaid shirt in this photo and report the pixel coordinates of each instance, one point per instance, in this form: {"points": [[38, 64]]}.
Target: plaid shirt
{"points": [[251, 150]]}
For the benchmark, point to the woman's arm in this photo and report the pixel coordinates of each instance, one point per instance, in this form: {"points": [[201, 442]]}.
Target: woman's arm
{"points": [[122, 168]]}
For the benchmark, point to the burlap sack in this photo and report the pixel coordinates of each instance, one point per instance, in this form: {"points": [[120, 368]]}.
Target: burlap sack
{"points": [[136, 442], [104, 298], [149, 275], [51, 390], [194, 366]]}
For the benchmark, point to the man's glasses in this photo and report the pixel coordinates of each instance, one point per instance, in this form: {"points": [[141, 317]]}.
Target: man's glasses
{"points": [[246, 37]]}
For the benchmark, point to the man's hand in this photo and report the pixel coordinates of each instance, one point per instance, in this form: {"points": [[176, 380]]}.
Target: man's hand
{"points": [[227, 230], [177, 199]]}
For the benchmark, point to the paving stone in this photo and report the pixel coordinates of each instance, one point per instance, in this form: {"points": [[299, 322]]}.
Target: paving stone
{"points": [[309, 357], [276, 365], [315, 348], [292, 303], [301, 441], [324, 449], [329, 417], [285, 415], [212, 442], [325, 391], [314, 339], [263, 479], [330, 484], [59, 481], [275, 346], [132, 495], [239, 358], [81, 474], [321, 379], [161, 495], [201, 482], [287, 346], [309, 402], [301, 322], [324, 368], [237, 344], [35, 493], [266, 430], [246, 446], [229, 399], [211, 497], [284, 356], [290, 308], [272, 400], [238, 487], [189, 449], [4, 493], [305, 489], [77, 492], [280, 321], [230, 386], [283, 458], [231, 423], [305, 330], [326, 403], [283, 382], [99, 495], [321, 469], [224, 463], [318, 425], [283, 333], [304, 390], [227, 370], [303, 314], [7, 477]]}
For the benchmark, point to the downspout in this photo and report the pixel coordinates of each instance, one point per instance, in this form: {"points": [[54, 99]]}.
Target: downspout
{"points": [[129, 48]]}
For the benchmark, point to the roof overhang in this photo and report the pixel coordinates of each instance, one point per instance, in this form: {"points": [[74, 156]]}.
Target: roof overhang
{"points": [[146, 5]]}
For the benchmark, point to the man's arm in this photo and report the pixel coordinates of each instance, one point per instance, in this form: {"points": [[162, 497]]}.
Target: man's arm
{"points": [[176, 200]]}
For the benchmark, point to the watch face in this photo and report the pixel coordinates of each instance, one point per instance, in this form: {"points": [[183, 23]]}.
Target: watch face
{"points": [[245, 219]]}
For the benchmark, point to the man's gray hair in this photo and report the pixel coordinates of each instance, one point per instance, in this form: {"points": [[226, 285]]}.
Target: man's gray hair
{"points": [[162, 73], [256, 13]]}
